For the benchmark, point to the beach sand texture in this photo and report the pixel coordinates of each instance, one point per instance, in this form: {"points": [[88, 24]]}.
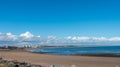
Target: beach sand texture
{"points": [[66, 61]]}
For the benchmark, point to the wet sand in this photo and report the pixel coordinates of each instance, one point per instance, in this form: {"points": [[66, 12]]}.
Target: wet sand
{"points": [[66, 61]]}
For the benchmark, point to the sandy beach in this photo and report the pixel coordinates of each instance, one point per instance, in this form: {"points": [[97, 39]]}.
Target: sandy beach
{"points": [[66, 61]]}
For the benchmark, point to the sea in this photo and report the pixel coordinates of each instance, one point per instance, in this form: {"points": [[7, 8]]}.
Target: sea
{"points": [[80, 50]]}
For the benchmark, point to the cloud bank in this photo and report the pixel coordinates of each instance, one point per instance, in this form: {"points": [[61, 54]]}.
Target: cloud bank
{"points": [[29, 39]]}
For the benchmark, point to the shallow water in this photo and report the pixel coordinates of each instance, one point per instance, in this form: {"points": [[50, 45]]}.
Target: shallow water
{"points": [[80, 50]]}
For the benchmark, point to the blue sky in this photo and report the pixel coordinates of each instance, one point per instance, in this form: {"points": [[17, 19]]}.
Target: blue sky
{"points": [[61, 17]]}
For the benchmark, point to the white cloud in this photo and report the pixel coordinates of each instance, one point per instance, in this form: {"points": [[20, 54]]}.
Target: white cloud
{"points": [[7, 37], [39, 36], [11, 36], [51, 37], [26, 35], [114, 39], [86, 39], [29, 39], [100, 38]]}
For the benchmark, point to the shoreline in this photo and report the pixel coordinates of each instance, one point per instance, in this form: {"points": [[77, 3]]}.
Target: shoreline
{"points": [[92, 55], [100, 55], [89, 55]]}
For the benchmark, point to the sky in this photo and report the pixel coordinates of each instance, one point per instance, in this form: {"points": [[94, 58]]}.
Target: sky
{"points": [[71, 19], [61, 17]]}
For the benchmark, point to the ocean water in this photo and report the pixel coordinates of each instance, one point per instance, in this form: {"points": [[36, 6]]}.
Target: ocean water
{"points": [[80, 50]]}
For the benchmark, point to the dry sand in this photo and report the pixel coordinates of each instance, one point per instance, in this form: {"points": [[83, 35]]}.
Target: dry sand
{"points": [[67, 61]]}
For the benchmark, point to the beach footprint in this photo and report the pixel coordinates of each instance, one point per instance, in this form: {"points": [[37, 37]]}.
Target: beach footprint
{"points": [[117, 66], [73, 66]]}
